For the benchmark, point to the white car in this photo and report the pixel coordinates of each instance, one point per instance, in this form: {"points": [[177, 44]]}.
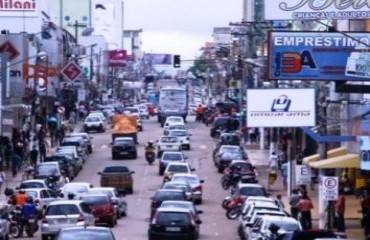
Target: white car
{"points": [[95, 122], [171, 120], [184, 137], [134, 111], [176, 167], [168, 144], [76, 188], [144, 114]]}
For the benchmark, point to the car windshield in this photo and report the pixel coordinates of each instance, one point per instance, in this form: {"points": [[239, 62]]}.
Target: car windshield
{"points": [[231, 155], [123, 141], [189, 179], [229, 149], [163, 195], [244, 166], [93, 119], [46, 169], [178, 134], [85, 234], [70, 143], [116, 169], [287, 226], [168, 139], [176, 186], [172, 157], [32, 194], [75, 188], [62, 209], [172, 218], [95, 200], [252, 191], [32, 185], [178, 205], [132, 110], [177, 168], [177, 127], [100, 191]]}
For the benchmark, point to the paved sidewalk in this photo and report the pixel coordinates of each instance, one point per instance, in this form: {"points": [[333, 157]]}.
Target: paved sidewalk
{"points": [[259, 158]]}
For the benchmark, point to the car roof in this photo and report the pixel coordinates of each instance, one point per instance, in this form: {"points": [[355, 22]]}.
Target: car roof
{"points": [[179, 163], [61, 202], [173, 209], [279, 218], [254, 185], [102, 188], [124, 138], [185, 175], [94, 195], [263, 204], [34, 180], [169, 190], [85, 227], [230, 146], [34, 189], [76, 184], [172, 152], [239, 161], [178, 202]]}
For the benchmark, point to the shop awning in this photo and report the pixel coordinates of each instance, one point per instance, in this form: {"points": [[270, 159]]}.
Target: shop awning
{"points": [[331, 153], [346, 161]]}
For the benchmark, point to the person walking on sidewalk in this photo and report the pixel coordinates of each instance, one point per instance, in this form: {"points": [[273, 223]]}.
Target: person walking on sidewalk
{"points": [[293, 201], [34, 154], [2, 176], [284, 174], [16, 162], [305, 205], [340, 207]]}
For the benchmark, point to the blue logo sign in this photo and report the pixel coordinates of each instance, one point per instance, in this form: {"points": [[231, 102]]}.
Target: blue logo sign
{"points": [[281, 104]]}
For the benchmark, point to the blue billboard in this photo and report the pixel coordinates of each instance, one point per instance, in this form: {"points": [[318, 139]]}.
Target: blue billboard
{"points": [[319, 56]]}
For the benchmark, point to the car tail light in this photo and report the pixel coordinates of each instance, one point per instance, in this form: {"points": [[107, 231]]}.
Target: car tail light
{"points": [[44, 220], [80, 218], [37, 201]]}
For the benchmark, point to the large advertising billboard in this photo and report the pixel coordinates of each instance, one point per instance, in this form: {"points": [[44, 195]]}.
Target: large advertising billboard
{"points": [[316, 9], [158, 58], [319, 56], [281, 107]]}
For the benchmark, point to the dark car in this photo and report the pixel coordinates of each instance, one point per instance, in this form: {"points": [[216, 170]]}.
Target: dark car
{"points": [[164, 195], [85, 232], [229, 138], [310, 235], [225, 158], [226, 124], [169, 157], [78, 142], [124, 147], [174, 223], [103, 208], [66, 163]]}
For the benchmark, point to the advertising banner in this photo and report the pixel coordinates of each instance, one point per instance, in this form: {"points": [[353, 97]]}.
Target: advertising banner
{"points": [[117, 58], [281, 107], [316, 9], [319, 56], [158, 58], [20, 8]]}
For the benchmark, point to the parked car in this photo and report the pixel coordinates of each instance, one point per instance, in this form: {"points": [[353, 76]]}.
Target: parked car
{"points": [[65, 213], [94, 122], [87, 137], [84, 232], [119, 177], [124, 147], [102, 207], [77, 142], [174, 223], [66, 162]]}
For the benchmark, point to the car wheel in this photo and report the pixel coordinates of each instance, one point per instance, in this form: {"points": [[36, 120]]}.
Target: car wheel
{"points": [[111, 223], [123, 214], [44, 237], [189, 147], [219, 170], [114, 157], [130, 190], [199, 201], [135, 156]]}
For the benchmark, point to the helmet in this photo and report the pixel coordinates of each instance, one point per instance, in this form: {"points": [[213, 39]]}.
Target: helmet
{"points": [[29, 200], [71, 196]]}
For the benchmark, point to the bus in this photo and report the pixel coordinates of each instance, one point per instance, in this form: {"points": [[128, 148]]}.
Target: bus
{"points": [[172, 101]]}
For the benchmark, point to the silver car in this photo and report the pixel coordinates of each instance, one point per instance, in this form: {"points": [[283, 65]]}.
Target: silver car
{"points": [[65, 213], [115, 196], [42, 197]]}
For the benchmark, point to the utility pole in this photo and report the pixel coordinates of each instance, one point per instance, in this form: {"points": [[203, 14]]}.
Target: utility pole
{"points": [[76, 26]]}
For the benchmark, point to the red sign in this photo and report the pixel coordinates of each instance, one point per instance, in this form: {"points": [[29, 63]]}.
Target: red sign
{"points": [[71, 71], [117, 58], [7, 47]]}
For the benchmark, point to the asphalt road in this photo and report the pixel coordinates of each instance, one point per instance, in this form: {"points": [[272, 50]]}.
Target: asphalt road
{"points": [[146, 180]]}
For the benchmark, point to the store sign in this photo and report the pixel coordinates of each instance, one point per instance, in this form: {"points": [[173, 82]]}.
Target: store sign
{"points": [[319, 56], [20, 8], [364, 152], [281, 107], [316, 9], [117, 58]]}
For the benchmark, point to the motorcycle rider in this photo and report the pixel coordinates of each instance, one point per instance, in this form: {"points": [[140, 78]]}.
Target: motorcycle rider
{"points": [[149, 149], [28, 212], [21, 198]]}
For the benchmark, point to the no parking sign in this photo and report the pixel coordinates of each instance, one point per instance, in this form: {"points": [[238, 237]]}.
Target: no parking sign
{"points": [[330, 186]]}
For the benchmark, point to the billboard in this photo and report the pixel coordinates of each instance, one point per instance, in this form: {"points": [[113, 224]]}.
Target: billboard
{"points": [[281, 107], [158, 58], [310, 10], [319, 56], [117, 58]]}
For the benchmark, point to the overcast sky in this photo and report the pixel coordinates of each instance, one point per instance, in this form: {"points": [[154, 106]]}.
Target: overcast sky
{"points": [[179, 26]]}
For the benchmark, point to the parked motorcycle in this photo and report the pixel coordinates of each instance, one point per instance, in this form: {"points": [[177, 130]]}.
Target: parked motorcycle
{"points": [[227, 199], [234, 207]]}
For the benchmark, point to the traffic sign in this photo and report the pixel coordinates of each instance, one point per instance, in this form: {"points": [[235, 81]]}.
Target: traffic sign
{"points": [[71, 71], [61, 110], [330, 188], [303, 175], [7, 47]]}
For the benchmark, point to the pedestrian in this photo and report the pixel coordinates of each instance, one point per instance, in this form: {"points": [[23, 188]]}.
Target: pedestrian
{"points": [[305, 205], [340, 207], [2, 176], [42, 150], [280, 201], [284, 174], [16, 161], [273, 161], [245, 134], [34, 154], [7, 155], [293, 201]]}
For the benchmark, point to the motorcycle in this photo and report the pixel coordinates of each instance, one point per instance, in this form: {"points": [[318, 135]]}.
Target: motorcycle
{"points": [[150, 154], [234, 207], [30, 226], [229, 180], [227, 199], [14, 219]]}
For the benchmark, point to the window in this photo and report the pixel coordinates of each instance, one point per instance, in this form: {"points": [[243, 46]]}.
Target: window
{"points": [[44, 194], [62, 209], [178, 168], [173, 218], [85, 208], [95, 200], [116, 169]]}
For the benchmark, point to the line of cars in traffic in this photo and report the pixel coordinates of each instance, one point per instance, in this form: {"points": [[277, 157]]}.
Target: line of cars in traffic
{"points": [[67, 208], [173, 211]]}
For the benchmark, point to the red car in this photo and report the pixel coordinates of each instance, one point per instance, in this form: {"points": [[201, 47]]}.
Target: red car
{"points": [[151, 109], [102, 207]]}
